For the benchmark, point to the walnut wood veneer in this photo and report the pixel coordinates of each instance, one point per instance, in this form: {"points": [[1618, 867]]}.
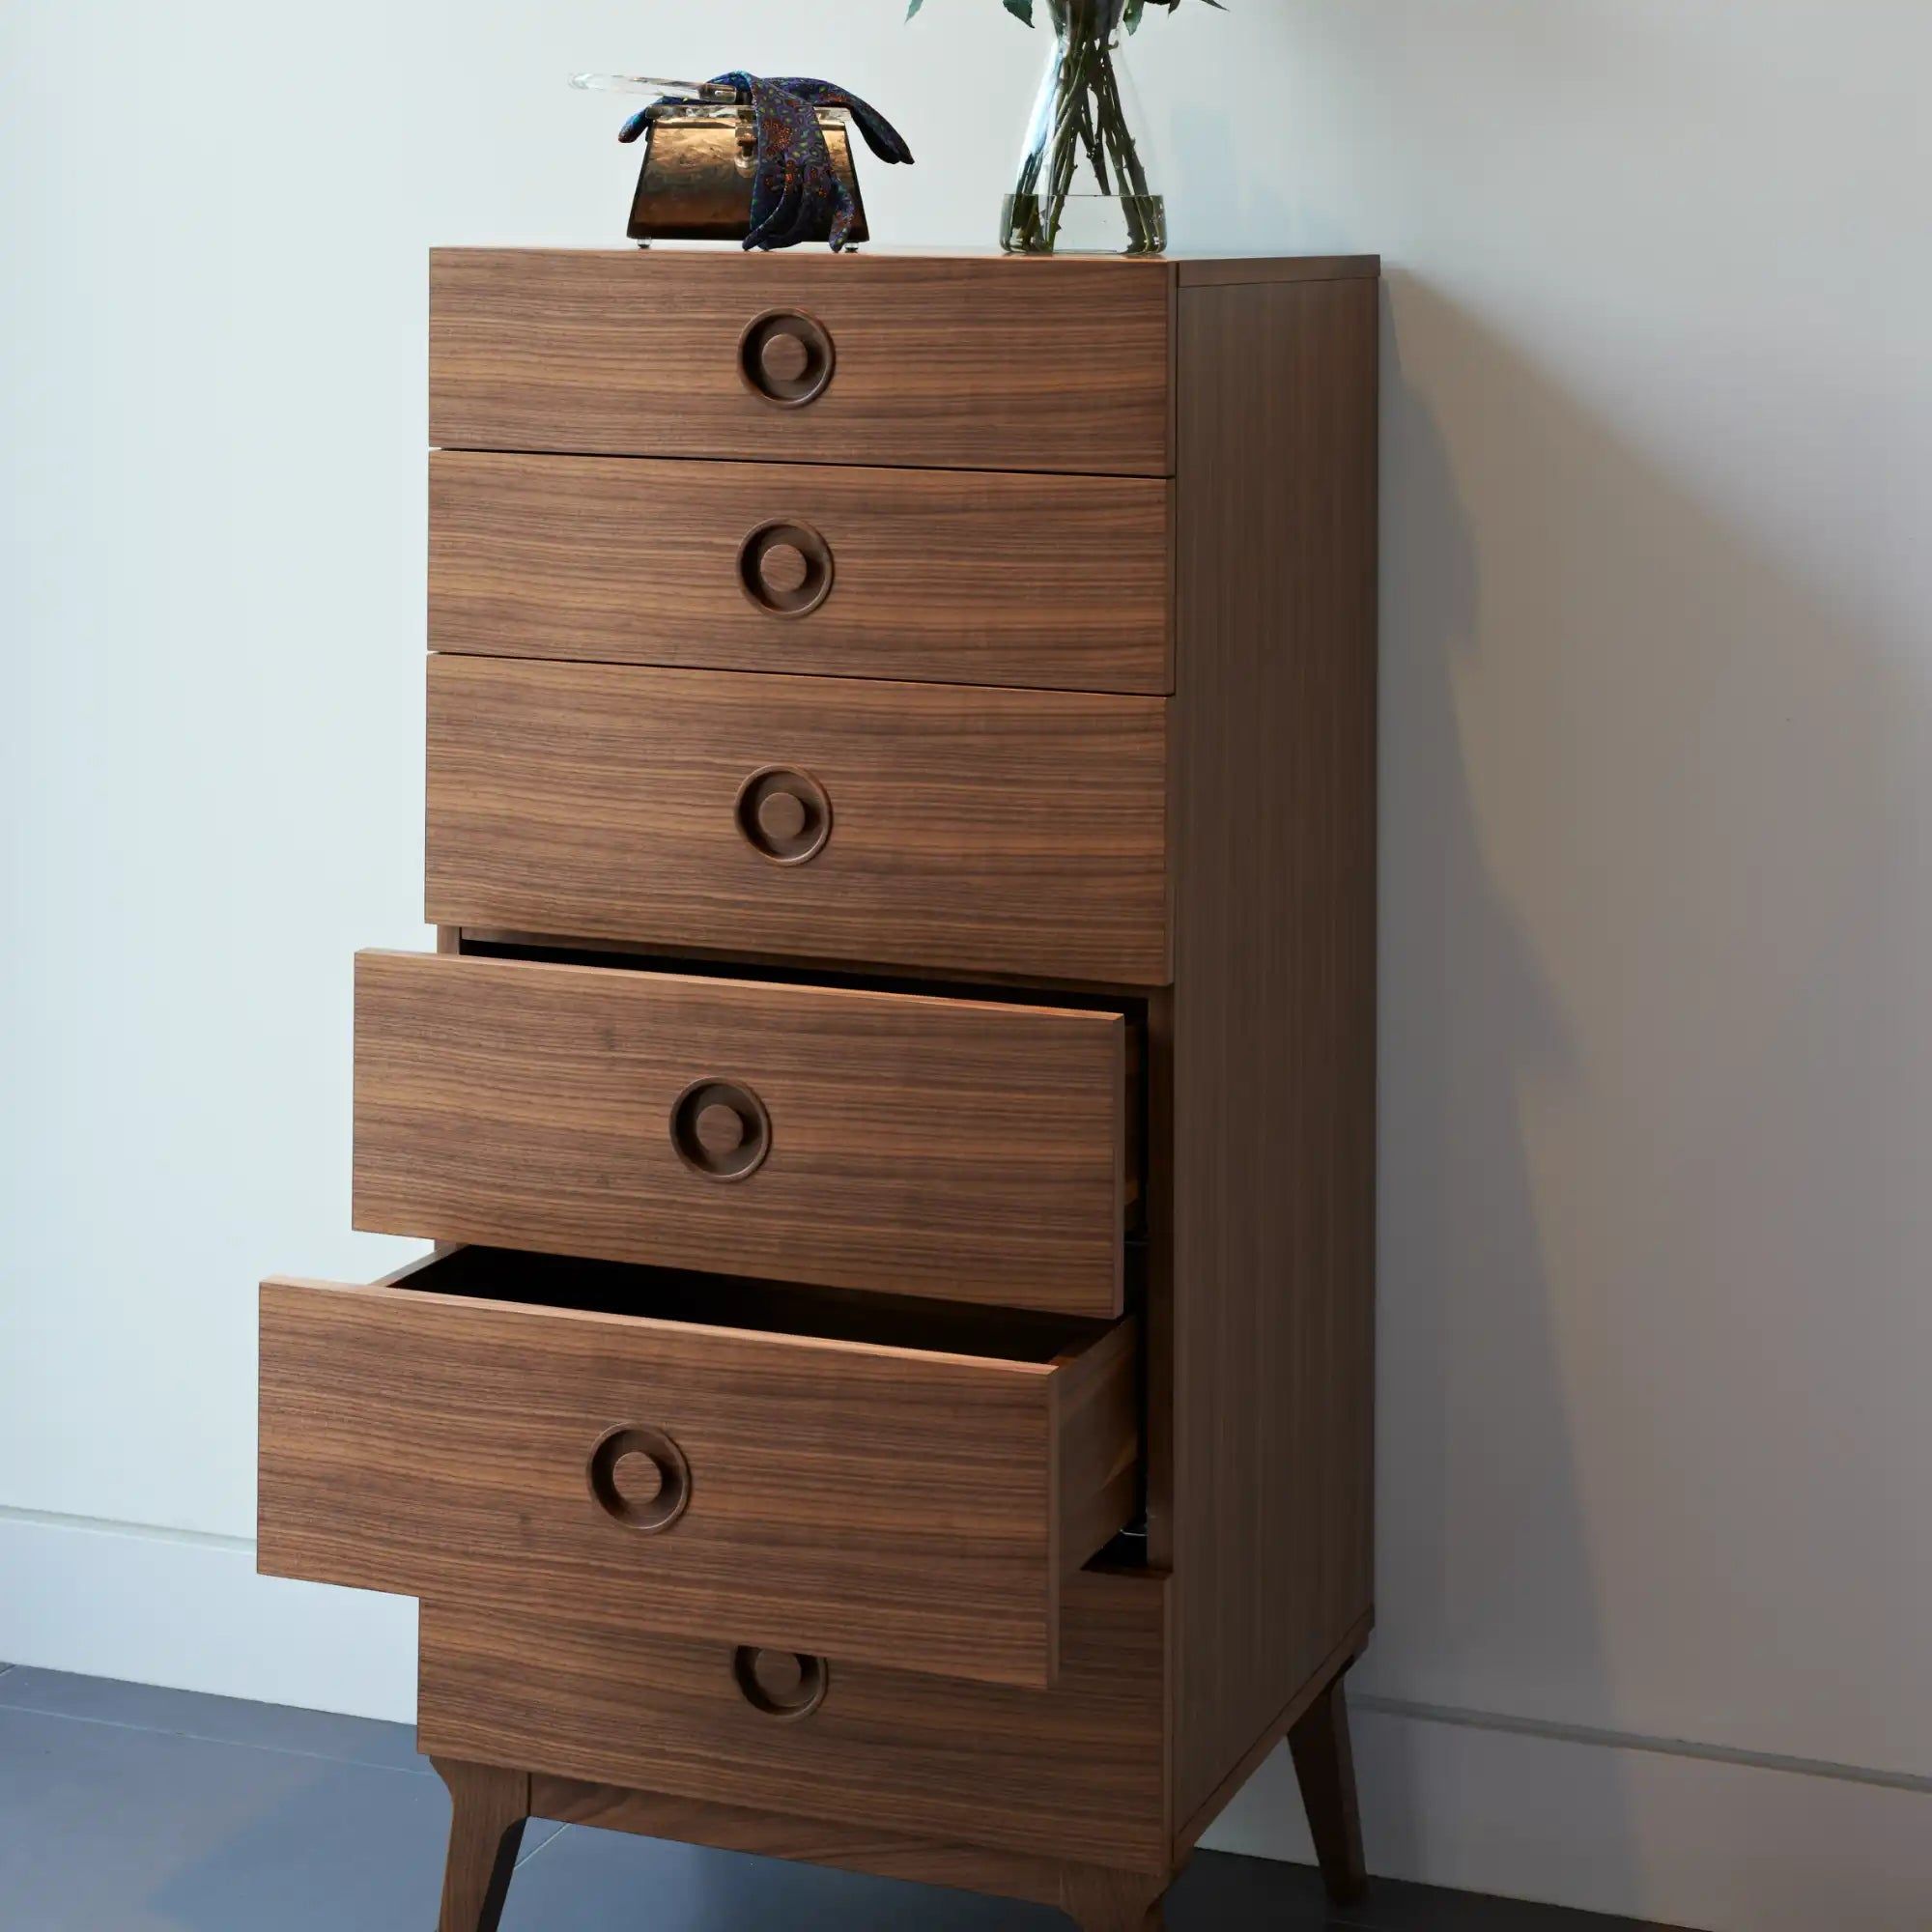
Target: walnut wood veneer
{"points": [[895, 1088]]}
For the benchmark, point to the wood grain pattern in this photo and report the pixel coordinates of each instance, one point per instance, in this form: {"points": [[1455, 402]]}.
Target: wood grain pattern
{"points": [[781, 1835], [489, 1808], [1112, 1901], [968, 1150], [863, 1502], [968, 363], [948, 577], [1076, 1772], [1225, 270], [999, 831], [1188, 1834], [1324, 1767], [1273, 1043]]}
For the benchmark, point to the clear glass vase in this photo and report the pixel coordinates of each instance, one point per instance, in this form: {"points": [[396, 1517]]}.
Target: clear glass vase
{"points": [[1083, 187]]}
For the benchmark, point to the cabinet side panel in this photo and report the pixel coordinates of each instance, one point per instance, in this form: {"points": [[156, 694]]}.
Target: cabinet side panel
{"points": [[1275, 1010]]}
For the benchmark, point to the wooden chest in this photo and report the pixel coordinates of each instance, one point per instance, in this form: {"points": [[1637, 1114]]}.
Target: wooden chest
{"points": [[894, 1098]]}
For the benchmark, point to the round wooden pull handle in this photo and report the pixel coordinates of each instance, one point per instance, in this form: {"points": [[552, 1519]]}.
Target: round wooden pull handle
{"points": [[786, 359], [786, 569], [782, 1683], [640, 1478], [785, 816], [721, 1129]]}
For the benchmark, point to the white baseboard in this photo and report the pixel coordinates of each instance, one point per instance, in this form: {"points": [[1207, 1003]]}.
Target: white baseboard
{"points": [[1676, 1835], [1701, 1841], [160, 1606]]}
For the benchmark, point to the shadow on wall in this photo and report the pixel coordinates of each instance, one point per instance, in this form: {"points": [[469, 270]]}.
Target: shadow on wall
{"points": [[1646, 839], [1464, 1011], [1471, 1399]]}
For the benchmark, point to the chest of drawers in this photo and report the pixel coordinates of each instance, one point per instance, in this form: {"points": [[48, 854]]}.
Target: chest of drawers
{"points": [[894, 1098]]}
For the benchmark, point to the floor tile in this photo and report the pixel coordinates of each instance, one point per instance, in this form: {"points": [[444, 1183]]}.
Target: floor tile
{"points": [[106, 1829], [141, 1831], [591, 1881], [222, 1719], [1394, 1906], [146, 1810]]}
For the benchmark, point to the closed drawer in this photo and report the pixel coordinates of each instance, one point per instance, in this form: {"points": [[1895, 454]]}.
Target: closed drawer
{"points": [[950, 364], [1002, 832], [625, 1448], [1070, 1773], [1053, 582], [957, 1149]]}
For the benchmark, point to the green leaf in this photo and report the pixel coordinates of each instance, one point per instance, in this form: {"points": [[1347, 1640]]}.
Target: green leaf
{"points": [[914, 7], [1135, 10], [1020, 10]]}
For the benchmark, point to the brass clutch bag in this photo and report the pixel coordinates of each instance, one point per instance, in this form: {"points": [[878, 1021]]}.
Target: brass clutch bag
{"points": [[699, 161]]}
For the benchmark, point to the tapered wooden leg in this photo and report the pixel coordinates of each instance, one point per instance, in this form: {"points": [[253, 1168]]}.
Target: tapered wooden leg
{"points": [[1325, 1765], [488, 1810], [1099, 1900]]}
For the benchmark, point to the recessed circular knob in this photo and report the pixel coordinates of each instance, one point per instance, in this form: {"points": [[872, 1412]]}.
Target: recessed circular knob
{"points": [[783, 358], [783, 569], [786, 569], [721, 1129], [781, 816], [638, 1477], [786, 359], [780, 1684], [785, 816]]}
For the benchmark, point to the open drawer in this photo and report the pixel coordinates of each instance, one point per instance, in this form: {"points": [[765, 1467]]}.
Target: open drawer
{"points": [[861, 1477], [969, 1149]]}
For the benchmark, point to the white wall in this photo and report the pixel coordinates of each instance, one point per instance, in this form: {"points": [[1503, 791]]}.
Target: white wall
{"points": [[1657, 1061]]}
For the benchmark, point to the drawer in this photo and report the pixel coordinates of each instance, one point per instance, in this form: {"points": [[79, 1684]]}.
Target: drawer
{"points": [[957, 1149], [881, 1481], [1070, 1773], [952, 577], [960, 365], [981, 830]]}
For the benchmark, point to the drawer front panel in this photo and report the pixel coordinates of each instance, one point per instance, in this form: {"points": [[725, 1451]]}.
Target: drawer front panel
{"points": [[1070, 1773], [1057, 366], [876, 1504], [957, 1149], [1052, 582], [931, 825]]}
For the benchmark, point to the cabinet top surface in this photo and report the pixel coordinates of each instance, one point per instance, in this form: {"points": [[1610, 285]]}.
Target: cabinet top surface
{"points": [[1186, 269]]}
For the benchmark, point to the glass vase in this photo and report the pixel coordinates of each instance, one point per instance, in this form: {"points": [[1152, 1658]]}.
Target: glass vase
{"points": [[1083, 187]]}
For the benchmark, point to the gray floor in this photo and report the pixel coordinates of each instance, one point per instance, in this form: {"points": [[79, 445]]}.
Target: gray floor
{"points": [[129, 1810]]}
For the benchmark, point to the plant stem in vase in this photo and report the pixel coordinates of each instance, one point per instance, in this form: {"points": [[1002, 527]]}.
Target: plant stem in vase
{"points": [[1081, 185]]}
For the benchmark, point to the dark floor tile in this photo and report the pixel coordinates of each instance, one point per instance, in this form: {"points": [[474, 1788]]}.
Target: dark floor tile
{"points": [[106, 1829], [146, 1810], [1392, 1906], [590, 1881], [222, 1719], [1244, 1895]]}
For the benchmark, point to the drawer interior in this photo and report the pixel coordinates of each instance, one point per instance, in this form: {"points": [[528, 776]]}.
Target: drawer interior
{"points": [[687, 1296]]}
